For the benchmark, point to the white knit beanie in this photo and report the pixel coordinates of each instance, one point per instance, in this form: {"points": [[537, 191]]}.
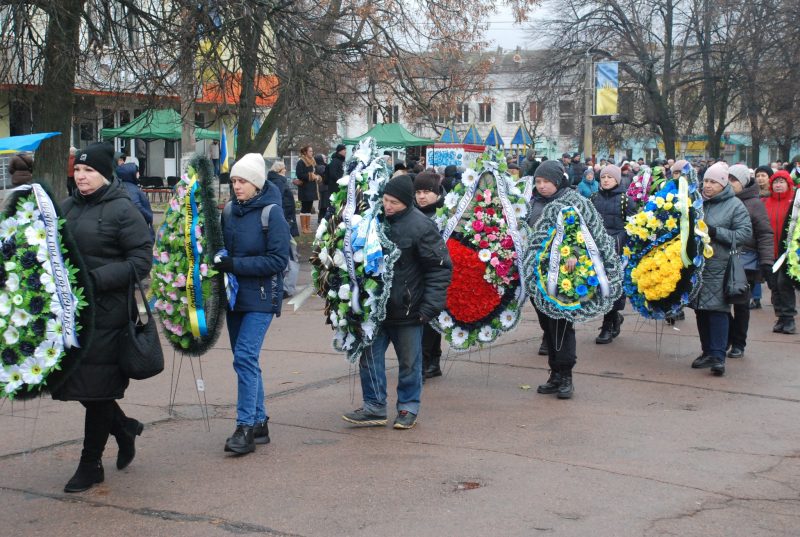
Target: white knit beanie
{"points": [[251, 168], [741, 172]]}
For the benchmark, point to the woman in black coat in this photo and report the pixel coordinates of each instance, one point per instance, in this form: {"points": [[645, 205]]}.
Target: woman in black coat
{"points": [[306, 181], [614, 206], [113, 240]]}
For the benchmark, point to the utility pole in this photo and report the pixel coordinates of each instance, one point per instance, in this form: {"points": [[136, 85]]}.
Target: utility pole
{"points": [[587, 114]]}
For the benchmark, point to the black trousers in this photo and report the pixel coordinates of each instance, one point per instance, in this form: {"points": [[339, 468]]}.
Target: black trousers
{"points": [[739, 322], [783, 296], [431, 347], [307, 207], [103, 418], [561, 346], [323, 204]]}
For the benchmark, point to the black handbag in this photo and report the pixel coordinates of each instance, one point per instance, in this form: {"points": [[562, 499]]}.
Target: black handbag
{"points": [[141, 356], [736, 286]]}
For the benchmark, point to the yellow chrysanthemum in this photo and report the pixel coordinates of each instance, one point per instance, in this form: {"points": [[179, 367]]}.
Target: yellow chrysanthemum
{"points": [[566, 285], [565, 251], [671, 223], [626, 251], [579, 237]]}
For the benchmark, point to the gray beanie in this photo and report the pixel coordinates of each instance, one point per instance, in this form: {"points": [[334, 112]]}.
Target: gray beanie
{"points": [[251, 168], [741, 173], [613, 171], [553, 171]]}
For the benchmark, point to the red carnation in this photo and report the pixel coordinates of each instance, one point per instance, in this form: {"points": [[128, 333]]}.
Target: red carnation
{"points": [[479, 197], [490, 211], [470, 298], [477, 225], [507, 242], [484, 244]]}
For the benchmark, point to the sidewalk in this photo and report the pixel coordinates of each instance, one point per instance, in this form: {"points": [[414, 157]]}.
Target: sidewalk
{"points": [[647, 447]]}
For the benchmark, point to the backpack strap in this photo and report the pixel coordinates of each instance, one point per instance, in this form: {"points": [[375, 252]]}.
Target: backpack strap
{"points": [[226, 211], [265, 217]]}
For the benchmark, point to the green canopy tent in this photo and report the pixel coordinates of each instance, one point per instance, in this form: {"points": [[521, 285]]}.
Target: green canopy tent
{"points": [[205, 134], [151, 125], [390, 136]]}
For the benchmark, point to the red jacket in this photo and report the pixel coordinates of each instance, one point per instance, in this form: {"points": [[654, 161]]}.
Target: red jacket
{"points": [[778, 207]]}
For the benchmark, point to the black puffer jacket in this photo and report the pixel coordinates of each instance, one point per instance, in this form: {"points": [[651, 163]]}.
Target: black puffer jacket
{"points": [[761, 241], [614, 206], [287, 200], [421, 274], [430, 210], [334, 172], [110, 234]]}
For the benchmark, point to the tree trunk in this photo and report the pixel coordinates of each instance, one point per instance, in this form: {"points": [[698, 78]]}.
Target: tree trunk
{"points": [[251, 34], [186, 86], [54, 102]]}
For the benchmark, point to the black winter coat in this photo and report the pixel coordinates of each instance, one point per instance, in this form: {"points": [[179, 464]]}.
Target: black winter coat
{"points": [[615, 207], [110, 234], [762, 239], [287, 197], [421, 274], [334, 172], [307, 191]]}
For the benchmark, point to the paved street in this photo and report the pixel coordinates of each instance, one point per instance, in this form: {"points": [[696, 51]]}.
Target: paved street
{"points": [[647, 447]]}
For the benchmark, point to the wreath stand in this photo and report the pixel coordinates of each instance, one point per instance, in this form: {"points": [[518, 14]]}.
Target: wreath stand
{"points": [[199, 386]]}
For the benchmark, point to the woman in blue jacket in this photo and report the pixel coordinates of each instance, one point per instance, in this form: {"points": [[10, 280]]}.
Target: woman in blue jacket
{"points": [[256, 256]]}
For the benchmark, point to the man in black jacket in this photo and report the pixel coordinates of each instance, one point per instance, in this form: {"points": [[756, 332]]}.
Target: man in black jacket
{"points": [[335, 169], [418, 293]]}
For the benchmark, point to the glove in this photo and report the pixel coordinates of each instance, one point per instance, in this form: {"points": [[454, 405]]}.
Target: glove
{"points": [[712, 231], [225, 264], [766, 272]]}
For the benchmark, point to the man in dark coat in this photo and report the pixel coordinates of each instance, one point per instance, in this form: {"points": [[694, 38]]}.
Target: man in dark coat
{"points": [[335, 169], [530, 164], [129, 175], [277, 177], [756, 252], [113, 240], [417, 295]]}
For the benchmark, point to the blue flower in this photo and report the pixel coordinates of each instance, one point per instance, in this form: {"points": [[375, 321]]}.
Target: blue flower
{"points": [[650, 206], [570, 219], [581, 290], [591, 280]]}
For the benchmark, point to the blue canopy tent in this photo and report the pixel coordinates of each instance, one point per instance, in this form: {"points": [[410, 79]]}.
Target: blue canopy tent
{"points": [[493, 138], [472, 136], [522, 137], [26, 142], [449, 136]]}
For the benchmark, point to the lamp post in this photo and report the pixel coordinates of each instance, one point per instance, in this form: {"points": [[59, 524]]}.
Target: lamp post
{"points": [[587, 118]]}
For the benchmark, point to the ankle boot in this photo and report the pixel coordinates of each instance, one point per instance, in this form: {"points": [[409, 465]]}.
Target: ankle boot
{"points": [[87, 474], [543, 349], [616, 327], [552, 384], [261, 432], [242, 441], [607, 330], [789, 326], [566, 389], [126, 440]]}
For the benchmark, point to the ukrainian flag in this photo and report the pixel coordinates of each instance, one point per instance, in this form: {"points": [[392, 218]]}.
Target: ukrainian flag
{"points": [[606, 88], [224, 167]]}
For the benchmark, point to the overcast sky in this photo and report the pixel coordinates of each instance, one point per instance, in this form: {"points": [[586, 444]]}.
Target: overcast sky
{"points": [[505, 33]]}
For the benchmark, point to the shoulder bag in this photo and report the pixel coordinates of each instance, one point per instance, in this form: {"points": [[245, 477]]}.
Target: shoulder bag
{"points": [[141, 354], [736, 286]]}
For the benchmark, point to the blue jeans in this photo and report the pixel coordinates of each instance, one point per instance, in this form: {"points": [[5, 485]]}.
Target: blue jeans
{"points": [[247, 331], [713, 329], [757, 291], [407, 341]]}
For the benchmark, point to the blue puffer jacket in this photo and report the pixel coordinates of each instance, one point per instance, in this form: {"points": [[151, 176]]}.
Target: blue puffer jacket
{"points": [[259, 259]]}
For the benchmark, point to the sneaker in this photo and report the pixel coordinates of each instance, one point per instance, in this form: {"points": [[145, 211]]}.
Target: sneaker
{"points": [[261, 432], [364, 418], [718, 369], [703, 361], [405, 420], [735, 352]]}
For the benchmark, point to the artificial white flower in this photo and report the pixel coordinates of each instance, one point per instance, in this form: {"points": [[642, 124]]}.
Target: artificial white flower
{"points": [[348, 342], [48, 352], [48, 282], [53, 329], [441, 221], [520, 210], [508, 318], [3, 323], [36, 234], [324, 258], [322, 227], [10, 266], [369, 329], [355, 220], [20, 317], [342, 322], [338, 259], [469, 177], [445, 320], [344, 292], [338, 339], [331, 293], [17, 300], [42, 255], [343, 180], [12, 282], [358, 256], [342, 225], [56, 308], [32, 370], [5, 304], [485, 255], [451, 200], [24, 216], [334, 318], [486, 334], [11, 335], [459, 336], [8, 228], [514, 189], [370, 301], [12, 377]]}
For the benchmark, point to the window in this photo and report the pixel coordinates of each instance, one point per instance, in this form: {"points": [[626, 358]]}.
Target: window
{"points": [[124, 117], [107, 119], [372, 114], [650, 154], [200, 120], [462, 115], [513, 112], [566, 126], [169, 149], [536, 112], [485, 112], [566, 108], [440, 115], [392, 114]]}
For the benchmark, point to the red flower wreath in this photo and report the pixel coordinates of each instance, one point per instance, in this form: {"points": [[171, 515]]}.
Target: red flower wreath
{"points": [[470, 297]]}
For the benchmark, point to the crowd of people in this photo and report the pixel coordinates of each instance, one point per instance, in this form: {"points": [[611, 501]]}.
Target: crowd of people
{"points": [[111, 222]]}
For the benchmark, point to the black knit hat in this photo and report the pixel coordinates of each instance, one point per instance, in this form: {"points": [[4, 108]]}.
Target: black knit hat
{"points": [[100, 156], [402, 188], [551, 170], [765, 169], [340, 147], [451, 170], [427, 180]]}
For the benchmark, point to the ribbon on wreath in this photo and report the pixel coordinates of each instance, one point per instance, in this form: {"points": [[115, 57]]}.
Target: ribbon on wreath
{"points": [[683, 197], [347, 216], [452, 222], [792, 224], [67, 299], [513, 229], [194, 287]]}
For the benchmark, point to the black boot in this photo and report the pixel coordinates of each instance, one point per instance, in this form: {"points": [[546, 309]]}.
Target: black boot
{"points": [[566, 389], [552, 384], [543, 349], [616, 327], [432, 370], [607, 330], [755, 304], [261, 432], [126, 440], [87, 474], [789, 326], [778, 326], [242, 441]]}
